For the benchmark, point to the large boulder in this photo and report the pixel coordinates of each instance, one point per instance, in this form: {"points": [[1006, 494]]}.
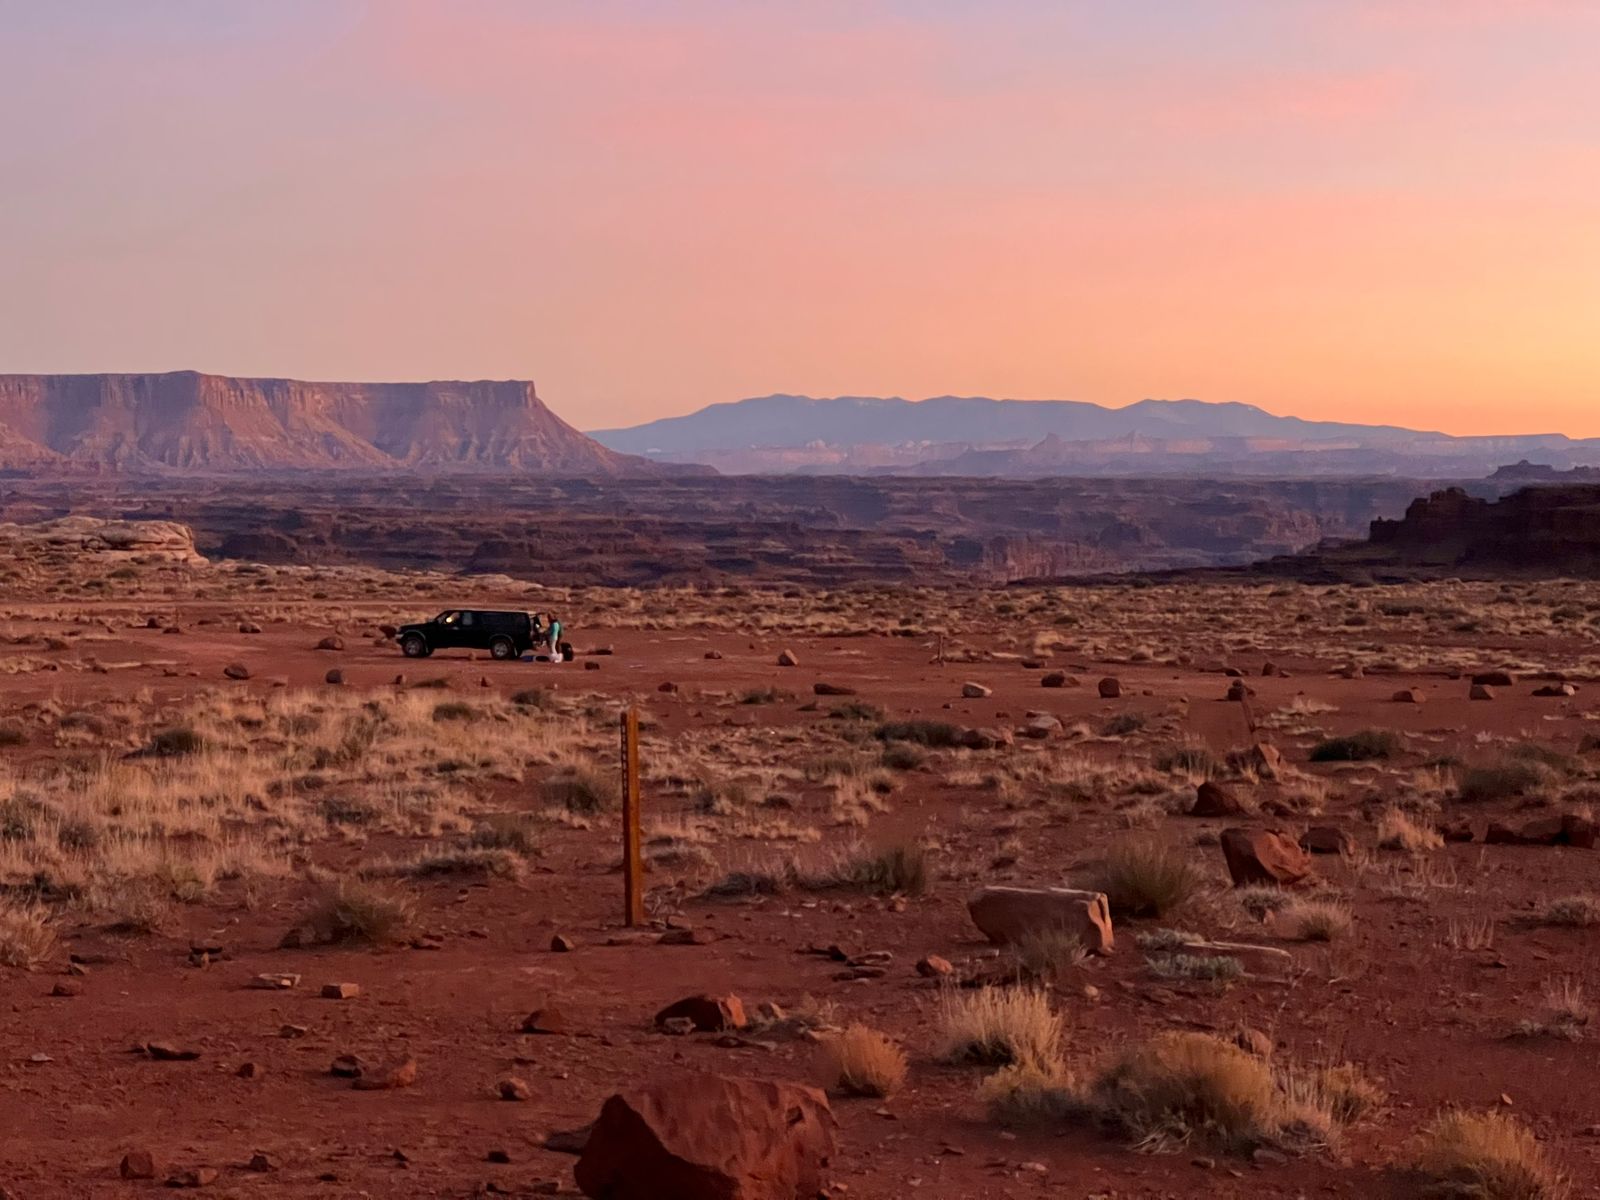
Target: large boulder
{"points": [[1264, 856], [1007, 915], [706, 1014], [709, 1137], [1214, 800]]}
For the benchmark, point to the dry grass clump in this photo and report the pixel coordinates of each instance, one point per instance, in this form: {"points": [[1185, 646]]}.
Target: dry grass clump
{"points": [[449, 860], [1488, 1155], [26, 936], [1147, 878], [1179, 1087], [894, 870], [1363, 746], [1348, 1092], [862, 1062], [1577, 912], [1511, 778], [1304, 920], [1042, 953], [1000, 1027], [582, 789], [1030, 1094], [352, 911], [1397, 831], [934, 734], [1566, 1014]]}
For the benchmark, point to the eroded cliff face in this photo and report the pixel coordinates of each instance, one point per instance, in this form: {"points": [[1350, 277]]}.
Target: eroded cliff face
{"points": [[186, 421], [1549, 528]]}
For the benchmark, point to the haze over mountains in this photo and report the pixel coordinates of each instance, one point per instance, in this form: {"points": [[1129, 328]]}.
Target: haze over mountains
{"points": [[190, 422], [957, 435]]}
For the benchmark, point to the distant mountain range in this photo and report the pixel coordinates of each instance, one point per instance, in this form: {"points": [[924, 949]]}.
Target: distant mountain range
{"points": [[976, 436], [184, 421]]}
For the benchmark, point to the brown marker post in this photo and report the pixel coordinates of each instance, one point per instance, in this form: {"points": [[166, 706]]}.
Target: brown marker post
{"points": [[632, 859]]}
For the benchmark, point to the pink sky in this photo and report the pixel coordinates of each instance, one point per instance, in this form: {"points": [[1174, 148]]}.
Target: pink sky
{"points": [[1378, 211]]}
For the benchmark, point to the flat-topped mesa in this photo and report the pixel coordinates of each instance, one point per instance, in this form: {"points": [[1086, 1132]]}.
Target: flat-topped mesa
{"points": [[187, 421], [1554, 529], [89, 538]]}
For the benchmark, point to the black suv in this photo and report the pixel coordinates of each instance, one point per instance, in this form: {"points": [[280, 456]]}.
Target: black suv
{"points": [[505, 635]]}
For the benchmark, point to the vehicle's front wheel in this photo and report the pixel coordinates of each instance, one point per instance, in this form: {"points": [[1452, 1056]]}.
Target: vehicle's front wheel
{"points": [[502, 648], [414, 646]]}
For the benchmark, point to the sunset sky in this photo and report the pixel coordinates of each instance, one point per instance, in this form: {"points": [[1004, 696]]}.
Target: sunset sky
{"points": [[1375, 211]]}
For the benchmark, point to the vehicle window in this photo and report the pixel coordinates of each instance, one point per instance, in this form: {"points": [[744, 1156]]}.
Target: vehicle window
{"points": [[466, 618], [448, 618]]}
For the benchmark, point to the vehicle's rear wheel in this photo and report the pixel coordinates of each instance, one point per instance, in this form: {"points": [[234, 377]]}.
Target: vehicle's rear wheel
{"points": [[565, 652], [502, 648], [414, 646]]}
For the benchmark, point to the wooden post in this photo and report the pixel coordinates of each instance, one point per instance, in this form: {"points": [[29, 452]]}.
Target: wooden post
{"points": [[632, 859]]}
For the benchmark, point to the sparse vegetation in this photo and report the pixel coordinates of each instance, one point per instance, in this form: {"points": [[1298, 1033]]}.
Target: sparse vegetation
{"points": [[353, 911], [1490, 1155], [26, 936], [1001, 1027], [934, 734], [1147, 878], [1314, 920], [1365, 746], [863, 1062]]}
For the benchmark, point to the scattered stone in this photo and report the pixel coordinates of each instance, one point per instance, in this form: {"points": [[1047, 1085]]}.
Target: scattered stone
{"points": [[710, 1135], [1007, 915], [545, 1021], [709, 1014], [1110, 687], [1055, 679], [167, 1052], [1253, 1041], [668, 687], [678, 1026], [194, 1177], [331, 643], [686, 937], [261, 1163], [1481, 691], [512, 1088], [1409, 696], [292, 1031], [589, 664], [1214, 800], [975, 691], [987, 738], [1569, 829], [250, 1070], [67, 988], [1265, 962], [1239, 691], [498, 1156], [1494, 679], [1353, 671], [562, 944], [1263, 856], [335, 676], [832, 689], [934, 967], [1040, 728], [249, 627], [138, 1164], [347, 1066], [391, 1077], [340, 991], [568, 1141], [1460, 832], [236, 671], [1556, 690], [1265, 759], [787, 658], [1327, 839]]}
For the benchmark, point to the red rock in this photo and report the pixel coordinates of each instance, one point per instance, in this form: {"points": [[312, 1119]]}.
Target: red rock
{"points": [[194, 1177], [347, 1066], [1327, 839], [249, 1070], [1007, 915], [1578, 831], [1265, 759], [1240, 690], [545, 1020], [709, 1137], [512, 1088], [1055, 679], [1214, 800], [236, 671], [1480, 691], [562, 944], [340, 991], [668, 687], [1263, 856], [1495, 679], [832, 689], [709, 1014], [987, 738], [1409, 696], [686, 937], [934, 967], [1110, 688], [1460, 832], [391, 1077], [331, 643], [786, 658], [335, 676], [167, 1052], [1253, 1041], [138, 1164], [975, 691]]}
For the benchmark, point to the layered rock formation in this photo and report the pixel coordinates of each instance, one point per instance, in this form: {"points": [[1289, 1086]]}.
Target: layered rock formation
{"points": [[90, 539], [186, 421], [1546, 528]]}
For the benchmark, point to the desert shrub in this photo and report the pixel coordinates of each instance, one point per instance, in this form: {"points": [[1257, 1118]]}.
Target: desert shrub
{"points": [[1348, 1092], [1187, 760], [903, 756], [755, 881], [1260, 899], [1207, 968], [1314, 920], [862, 1062], [1363, 746], [856, 710], [353, 911], [454, 710], [766, 695], [1566, 1013], [582, 789], [1508, 779], [26, 936], [1578, 912], [528, 698], [1123, 724], [1044, 952], [901, 868], [1182, 1087], [1490, 1155], [1029, 1094], [134, 906], [935, 734], [1146, 878], [1397, 831], [12, 735], [507, 831], [175, 742], [449, 860], [1000, 1027]]}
